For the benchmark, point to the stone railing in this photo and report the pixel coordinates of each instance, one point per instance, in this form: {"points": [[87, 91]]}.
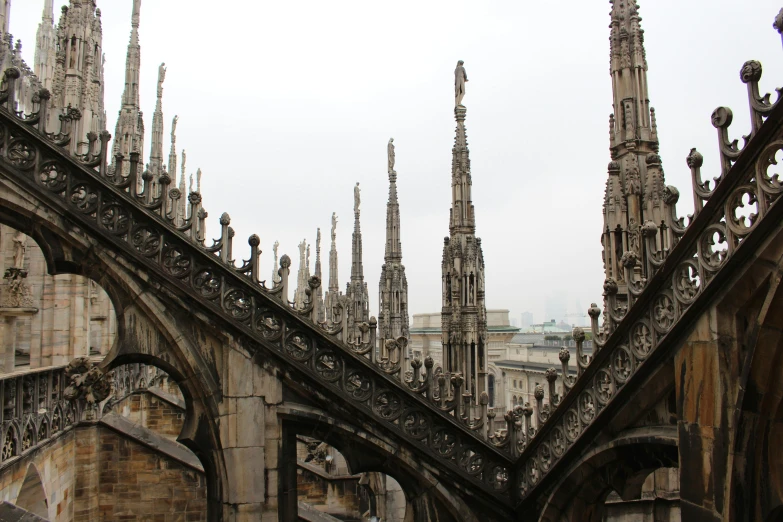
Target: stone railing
{"points": [[732, 215], [35, 410], [431, 410]]}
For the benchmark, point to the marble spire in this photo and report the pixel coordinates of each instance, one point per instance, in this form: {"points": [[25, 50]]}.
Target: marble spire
{"points": [[129, 132], [332, 296], [156, 148], [635, 188], [69, 59], [46, 46], [302, 275], [319, 298], [356, 291], [393, 286], [173, 150], [464, 313], [5, 18], [334, 280], [183, 198]]}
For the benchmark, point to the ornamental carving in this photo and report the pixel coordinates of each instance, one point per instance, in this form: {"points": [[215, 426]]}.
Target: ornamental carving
{"points": [[298, 346], [86, 382], [388, 405], [358, 386], [328, 365], [16, 291]]}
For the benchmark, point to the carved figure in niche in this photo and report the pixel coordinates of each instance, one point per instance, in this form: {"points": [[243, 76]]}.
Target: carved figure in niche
{"points": [[633, 184], [460, 77], [334, 226], [390, 154], [357, 197], [630, 131], [633, 235], [471, 290], [20, 246]]}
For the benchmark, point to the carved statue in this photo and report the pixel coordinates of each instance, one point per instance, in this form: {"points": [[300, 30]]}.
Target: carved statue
{"points": [[357, 198], [161, 77], [460, 77], [191, 183], [20, 245], [334, 226], [198, 181], [390, 153], [174, 127]]}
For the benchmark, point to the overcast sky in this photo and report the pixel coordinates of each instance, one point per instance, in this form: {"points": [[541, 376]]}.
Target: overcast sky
{"points": [[285, 105]]}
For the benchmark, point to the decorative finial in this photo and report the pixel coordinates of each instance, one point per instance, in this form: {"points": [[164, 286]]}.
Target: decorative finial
{"points": [[357, 198], [198, 181], [460, 77]]}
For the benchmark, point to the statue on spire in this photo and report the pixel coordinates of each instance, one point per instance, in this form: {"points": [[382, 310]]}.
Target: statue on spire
{"points": [[334, 226], [460, 77], [357, 198], [161, 77], [390, 152], [174, 128]]}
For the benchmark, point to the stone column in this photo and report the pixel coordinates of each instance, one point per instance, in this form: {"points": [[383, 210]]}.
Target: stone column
{"points": [[10, 335], [702, 409], [86, 474], [250, 439], [8, 354]]}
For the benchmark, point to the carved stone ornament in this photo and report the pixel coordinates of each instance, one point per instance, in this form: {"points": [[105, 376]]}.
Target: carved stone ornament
{"points": [[16, 292], [86, 382]]}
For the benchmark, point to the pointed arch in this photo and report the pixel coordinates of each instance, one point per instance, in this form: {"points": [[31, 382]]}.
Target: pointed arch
{"points": [[32, 496], [10, 446]]}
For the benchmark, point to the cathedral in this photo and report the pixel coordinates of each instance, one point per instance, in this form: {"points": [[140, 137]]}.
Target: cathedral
{"points": [[148, 375]]}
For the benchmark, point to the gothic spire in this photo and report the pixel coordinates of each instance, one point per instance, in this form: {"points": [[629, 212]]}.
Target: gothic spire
{"points": [[334, 281], [357, 269], [464, 312], [319, 298], [633, 117], [393, 245], [70, 63], [48, 12], [46, 46], [130, 96], [635, 194], [332, 297], [129, 132], [393, 286], [173, 150], [357, 288], [156, 149], [462, 218]]}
